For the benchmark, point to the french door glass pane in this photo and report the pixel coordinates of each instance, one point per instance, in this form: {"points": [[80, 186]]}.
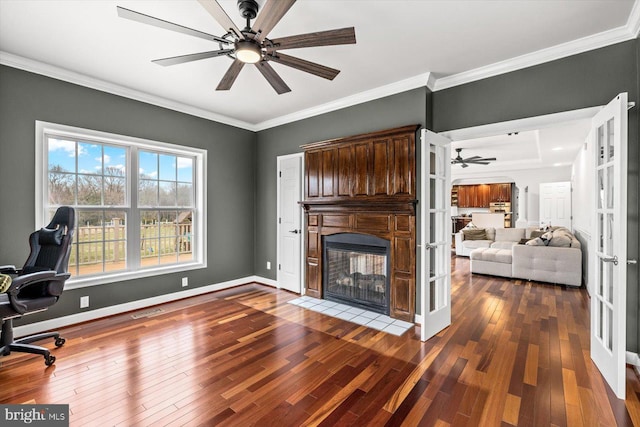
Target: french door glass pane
{"points": [[599, 320], [609, 322], [600, 144], [611, 155], [609, 187]]}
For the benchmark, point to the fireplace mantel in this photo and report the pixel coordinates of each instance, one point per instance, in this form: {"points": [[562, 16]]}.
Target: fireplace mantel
{"points": [[365, 184]]}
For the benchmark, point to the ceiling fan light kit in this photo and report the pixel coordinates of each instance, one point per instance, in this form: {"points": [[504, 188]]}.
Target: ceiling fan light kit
{"points": [[251, 45]]}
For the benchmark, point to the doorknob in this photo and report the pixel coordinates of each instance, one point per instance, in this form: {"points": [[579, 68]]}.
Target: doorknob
{"points": [[613, 259], [294, 231], [428, 246], [632, 261]]}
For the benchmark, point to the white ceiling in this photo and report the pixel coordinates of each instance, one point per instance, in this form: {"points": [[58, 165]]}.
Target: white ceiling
{"points": [[554, 146], [401, 44]]}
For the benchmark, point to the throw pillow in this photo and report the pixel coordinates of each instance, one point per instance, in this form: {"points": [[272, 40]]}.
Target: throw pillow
{"points": [[469, 226], [537, 233], [5, 282], [535, 242], [475, 234]]}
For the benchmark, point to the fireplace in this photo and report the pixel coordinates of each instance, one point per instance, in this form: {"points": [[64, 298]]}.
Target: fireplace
{"points": [[356, 271], [360, 221]]}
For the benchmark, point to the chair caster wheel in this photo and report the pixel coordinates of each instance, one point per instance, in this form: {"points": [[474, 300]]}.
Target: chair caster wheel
{"points": [[60, 341], [50, 360]]}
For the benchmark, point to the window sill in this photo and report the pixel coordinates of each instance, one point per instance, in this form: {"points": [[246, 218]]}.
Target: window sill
{"points": [[121, 276]]}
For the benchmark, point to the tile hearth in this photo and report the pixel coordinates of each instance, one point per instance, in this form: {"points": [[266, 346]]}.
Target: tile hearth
{"points": [[359, 316]]}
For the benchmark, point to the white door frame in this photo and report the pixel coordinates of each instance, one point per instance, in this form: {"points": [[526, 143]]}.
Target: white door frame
{"points": [[279, 159]]}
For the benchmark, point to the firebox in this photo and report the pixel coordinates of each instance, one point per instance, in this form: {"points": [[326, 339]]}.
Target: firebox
{"points": [[356, 270]]}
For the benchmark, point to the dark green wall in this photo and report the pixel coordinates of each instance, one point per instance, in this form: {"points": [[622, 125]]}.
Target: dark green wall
{"points": [[585, 80], [27, 97], [406, 108]]}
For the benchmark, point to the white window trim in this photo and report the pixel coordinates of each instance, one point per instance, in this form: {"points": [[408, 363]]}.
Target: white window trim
{"points": [[200, 220]]}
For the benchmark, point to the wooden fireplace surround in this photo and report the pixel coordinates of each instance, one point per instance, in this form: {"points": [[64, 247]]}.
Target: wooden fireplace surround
{"points": [[365, 184]]}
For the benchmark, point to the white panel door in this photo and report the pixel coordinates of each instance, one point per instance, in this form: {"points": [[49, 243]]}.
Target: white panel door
{"points": [[555, 204], [608, 301], [289, 223], [435, 234]]}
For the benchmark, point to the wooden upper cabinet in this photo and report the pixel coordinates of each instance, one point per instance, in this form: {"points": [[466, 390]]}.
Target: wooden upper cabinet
{"points": [[380, 164], [482, 195], [500, 192]]}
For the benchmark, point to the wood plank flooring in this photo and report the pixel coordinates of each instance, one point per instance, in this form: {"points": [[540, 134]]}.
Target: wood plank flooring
{"points": [[517, 353]]}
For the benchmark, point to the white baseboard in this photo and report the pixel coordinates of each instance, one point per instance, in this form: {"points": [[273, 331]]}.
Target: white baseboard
{"points": [[46, 325], [417, 319], [633, 359]]}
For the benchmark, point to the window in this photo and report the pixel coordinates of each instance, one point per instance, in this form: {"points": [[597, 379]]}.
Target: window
{"points": [[139, 203]]}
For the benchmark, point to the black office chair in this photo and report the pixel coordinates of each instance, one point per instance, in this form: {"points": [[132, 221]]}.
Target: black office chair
{"points": [[38, 284]]}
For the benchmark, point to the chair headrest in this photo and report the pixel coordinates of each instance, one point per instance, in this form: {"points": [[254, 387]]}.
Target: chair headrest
{"points": [[50, 237], [64, 218]]}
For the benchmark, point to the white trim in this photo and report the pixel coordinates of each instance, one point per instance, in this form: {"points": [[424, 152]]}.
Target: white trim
{"points": [[49, 70], [633, 23], [421, 80], [521, 125], [633, 359], [85, 316], [574, 47]]}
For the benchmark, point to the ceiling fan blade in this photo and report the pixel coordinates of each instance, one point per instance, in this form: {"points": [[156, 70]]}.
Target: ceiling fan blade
{"points": [[478, 162], [320, 38], [191, 57], [272, 12], [306, 66], [230, 76], [218, 13], [272, 77], [473, 158], [464, 165], [156, 22]]}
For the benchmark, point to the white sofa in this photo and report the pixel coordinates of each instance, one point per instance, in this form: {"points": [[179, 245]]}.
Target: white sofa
{"points": [[502, 255]]}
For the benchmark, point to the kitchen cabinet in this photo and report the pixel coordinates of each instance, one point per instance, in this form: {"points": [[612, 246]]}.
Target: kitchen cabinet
{"points": [[500, 192], [480, 195]]}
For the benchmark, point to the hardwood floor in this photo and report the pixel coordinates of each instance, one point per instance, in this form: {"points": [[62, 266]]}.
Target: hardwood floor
{"points": [[517, 353]]}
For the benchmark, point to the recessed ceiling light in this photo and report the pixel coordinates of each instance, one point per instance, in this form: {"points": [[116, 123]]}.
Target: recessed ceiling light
{"points": [[556, 149], [557, 164]]}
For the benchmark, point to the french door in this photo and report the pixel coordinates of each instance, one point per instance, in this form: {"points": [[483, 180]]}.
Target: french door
{"points": [[435, 234], [608, 301]]}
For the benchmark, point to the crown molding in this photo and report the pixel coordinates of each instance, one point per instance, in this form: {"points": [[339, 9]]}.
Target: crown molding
{"points": [[585, 44], [52, 71], [633, 23], [421, 80]]}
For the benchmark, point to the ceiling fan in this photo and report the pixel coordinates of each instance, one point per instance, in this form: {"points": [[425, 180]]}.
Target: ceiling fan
{"points": [[475, 160], [251, 45]]}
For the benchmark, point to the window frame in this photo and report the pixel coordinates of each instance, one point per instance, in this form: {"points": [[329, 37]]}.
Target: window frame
{"points": [[132, 145]]}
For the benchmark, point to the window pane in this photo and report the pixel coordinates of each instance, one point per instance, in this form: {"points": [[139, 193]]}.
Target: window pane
{"points": [[114, 191], [89, 190], [115, 241], [168, 244], [167, 167], [62, 155], [185, 194], [148, 193], [62, 188], [185, 169], [90, 226], [148, 167], [115, 161], [89, 158], [167, 193], [185, 235]]}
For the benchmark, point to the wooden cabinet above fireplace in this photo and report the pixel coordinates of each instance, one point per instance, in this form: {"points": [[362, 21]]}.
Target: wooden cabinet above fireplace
{"points": [[365, 184]]}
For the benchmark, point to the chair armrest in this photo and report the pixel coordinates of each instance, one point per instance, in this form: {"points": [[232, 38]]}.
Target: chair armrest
{"points": [[8, 269], [19, 283]]}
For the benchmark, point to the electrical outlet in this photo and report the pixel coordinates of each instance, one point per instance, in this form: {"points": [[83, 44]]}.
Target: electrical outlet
{"points": [[185, 282], [268, 265], [84, 302]]}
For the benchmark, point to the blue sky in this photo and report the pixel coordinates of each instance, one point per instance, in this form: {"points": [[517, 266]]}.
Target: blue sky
{"points": [[93, 157]]}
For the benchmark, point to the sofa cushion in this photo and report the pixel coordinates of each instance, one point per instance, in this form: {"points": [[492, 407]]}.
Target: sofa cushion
{"points": [[503, 244], [509, 234], [475, 234], [474, 244], [492, 254], [536, 241]]}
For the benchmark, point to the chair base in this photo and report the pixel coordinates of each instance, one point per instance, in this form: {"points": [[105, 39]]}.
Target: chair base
{"points": [[23, 345]]}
